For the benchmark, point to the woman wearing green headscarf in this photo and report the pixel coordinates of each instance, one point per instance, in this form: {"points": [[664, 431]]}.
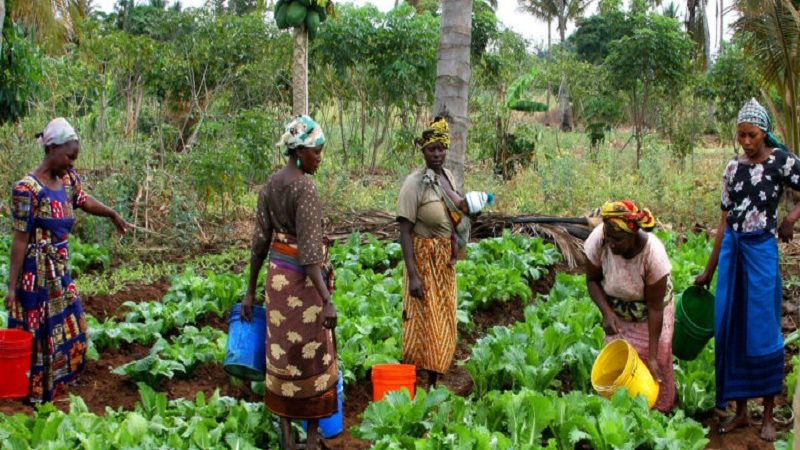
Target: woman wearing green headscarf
{"points": [[301, 356], [747, 309]]}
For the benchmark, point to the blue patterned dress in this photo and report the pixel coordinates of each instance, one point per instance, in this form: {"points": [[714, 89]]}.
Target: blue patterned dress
{"points": [[47, 303]]}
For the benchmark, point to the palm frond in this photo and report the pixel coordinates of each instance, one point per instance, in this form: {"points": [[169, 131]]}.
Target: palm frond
{"points": [[771, 32]]}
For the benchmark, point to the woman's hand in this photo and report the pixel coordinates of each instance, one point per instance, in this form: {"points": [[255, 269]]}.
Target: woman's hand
{"points": [[655, 371], [704, 279], [247, 307], [786, 230], [415, 288], [329, 315], [11, 298], [119, 222], [612, 324]]}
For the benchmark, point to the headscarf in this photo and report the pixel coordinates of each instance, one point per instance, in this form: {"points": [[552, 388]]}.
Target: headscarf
{"points": [[753, 112], [301, 131], [627, 217], [437, 131], [57, 132]]}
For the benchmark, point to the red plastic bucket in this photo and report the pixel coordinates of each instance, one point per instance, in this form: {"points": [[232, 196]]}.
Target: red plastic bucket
{"points": [[15, 362], [392, 377]]}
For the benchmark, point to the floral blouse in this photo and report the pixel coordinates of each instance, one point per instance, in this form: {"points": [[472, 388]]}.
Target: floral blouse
{"points": [[751, 192]]}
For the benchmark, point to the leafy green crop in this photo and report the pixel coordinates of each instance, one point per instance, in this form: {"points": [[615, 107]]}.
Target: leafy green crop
{"points": [[696, 382], [216, 422], [500, 269], [189, 297], [85, 256], [561, 332], [375, 254], [688, 258], [188, 348], [525, 420]]}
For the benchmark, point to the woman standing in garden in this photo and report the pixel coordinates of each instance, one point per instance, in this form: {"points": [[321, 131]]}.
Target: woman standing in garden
{"points": [[628, 278], [426, 238], [301, 356], [41, 296], [747, 309]]}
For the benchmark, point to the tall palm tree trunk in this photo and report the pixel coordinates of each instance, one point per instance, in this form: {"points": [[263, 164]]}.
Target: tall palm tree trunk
{"points": [[2, 18], [300, 71], [549, 41], [452, 80], [564, 110], [720, 23]]}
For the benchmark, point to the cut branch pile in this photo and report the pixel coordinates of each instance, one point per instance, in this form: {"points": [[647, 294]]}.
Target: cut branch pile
{"points": [[567, 233]]}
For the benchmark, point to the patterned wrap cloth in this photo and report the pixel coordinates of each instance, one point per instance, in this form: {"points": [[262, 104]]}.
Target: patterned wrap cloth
{"points": [[429, 324], [301, 131], [57, 132], [301, 356], [627, 217]]}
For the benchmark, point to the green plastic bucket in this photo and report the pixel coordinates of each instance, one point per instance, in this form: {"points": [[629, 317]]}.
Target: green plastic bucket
{"points": [[694, 322]]}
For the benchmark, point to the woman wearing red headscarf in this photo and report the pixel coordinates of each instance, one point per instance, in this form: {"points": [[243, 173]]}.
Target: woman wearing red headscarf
{"points": [[628, 278]]}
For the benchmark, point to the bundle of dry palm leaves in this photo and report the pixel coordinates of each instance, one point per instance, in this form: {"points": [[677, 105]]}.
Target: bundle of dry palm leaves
{"points": [[567, 233]]}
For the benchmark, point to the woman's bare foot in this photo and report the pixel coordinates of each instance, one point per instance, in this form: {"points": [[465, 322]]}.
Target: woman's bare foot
{"points": [[732, 423], [768, 432]]}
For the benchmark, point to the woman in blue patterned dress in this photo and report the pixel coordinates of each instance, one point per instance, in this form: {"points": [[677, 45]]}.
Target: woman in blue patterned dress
{"points": [[747, 323], [41, 295]]}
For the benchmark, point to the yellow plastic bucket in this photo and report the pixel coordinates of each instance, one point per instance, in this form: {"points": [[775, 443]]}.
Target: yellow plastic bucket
{"points": [[619, 365]]}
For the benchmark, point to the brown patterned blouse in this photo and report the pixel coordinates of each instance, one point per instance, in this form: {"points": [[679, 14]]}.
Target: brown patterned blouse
{"points": [[291, 208]]}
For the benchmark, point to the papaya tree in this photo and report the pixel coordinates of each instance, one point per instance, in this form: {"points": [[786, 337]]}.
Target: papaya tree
{"points": [[304, 16]]}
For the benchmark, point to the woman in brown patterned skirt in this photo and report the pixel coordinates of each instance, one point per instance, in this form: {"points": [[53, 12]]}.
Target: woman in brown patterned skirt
{"points": [[426, 237], [301, 357]]}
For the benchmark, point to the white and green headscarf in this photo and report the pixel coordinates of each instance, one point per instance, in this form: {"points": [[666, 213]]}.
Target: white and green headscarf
{"points": [[57, 132], [753, 112], [301, 131]]}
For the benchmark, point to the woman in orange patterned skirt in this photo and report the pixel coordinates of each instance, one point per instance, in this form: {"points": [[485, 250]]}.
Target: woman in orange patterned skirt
{"points": [[301, 356], [426, 237]]}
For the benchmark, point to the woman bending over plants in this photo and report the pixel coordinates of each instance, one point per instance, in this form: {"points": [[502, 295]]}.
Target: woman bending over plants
{"points": [[628, 278]]}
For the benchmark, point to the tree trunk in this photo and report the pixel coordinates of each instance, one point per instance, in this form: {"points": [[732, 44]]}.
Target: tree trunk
{"points": [[300, 72], [340, 105], [2, 18], [564, 110], [721, 28], [549, 26], [451, 98], [379, 137], [697, 27]]}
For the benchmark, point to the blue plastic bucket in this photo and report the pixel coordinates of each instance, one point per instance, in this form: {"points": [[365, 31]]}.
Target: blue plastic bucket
{"points": [[245, 356], [332, 425]]}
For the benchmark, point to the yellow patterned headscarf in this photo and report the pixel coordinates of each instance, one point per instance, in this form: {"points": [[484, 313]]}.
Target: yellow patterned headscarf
{"points": [[627, 217], [437, 131]]}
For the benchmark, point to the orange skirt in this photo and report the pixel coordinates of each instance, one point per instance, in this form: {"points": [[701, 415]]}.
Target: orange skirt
{"points": [[429, 324]]}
